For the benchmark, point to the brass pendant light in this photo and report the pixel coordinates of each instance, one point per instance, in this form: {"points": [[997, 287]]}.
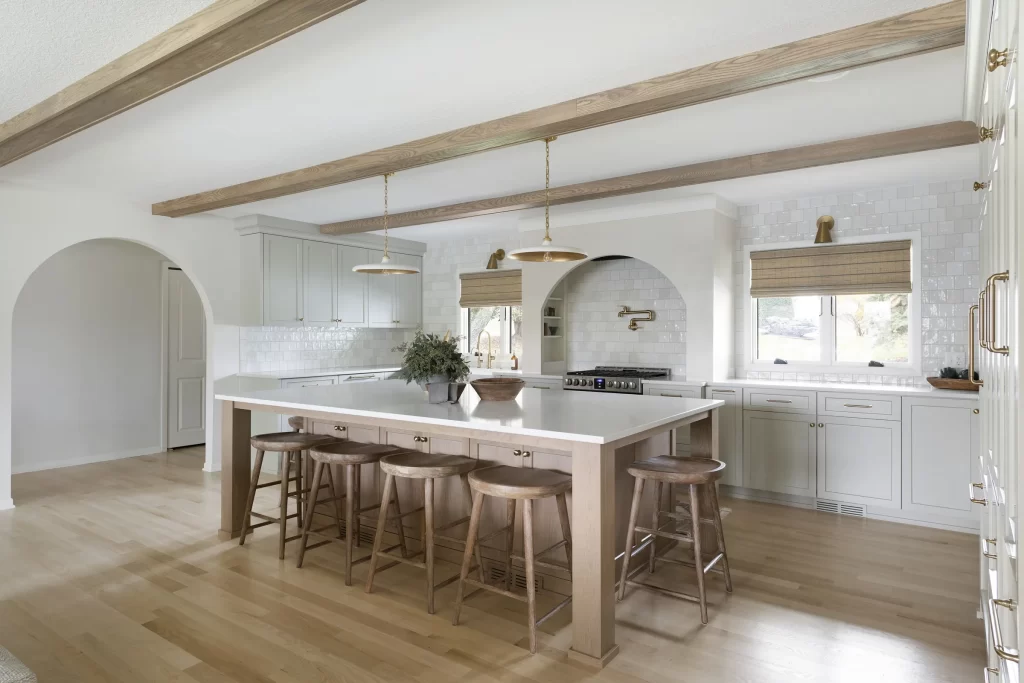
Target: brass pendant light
{"points": [[386, 267], [547, 252]]}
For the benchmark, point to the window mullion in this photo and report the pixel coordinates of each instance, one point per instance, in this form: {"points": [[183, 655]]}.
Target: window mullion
{"points": [[828, 331]]}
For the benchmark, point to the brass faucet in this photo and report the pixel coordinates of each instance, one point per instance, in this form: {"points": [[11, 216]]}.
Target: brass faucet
{"points": [[632, 323], [489, 356]]}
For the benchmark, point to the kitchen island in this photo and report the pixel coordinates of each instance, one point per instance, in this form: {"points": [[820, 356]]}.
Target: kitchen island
{"points": [[600, 433]]}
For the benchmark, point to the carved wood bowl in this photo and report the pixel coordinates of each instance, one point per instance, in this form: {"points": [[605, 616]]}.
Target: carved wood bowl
{"points": [[950, 383], [498, 388]]}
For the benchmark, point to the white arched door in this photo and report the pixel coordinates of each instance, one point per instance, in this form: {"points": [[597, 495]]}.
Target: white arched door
{"points": [[186, 363]]}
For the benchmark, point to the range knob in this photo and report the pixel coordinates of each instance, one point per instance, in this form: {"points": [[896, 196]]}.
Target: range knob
{"points": [[590, 382], [615, 384], [576, 382], [632, 385], [568, 382]]}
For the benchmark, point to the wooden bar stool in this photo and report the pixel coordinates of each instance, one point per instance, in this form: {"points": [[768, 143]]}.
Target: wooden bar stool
{"points": [[428, 467], [289, 446], [515, 484], [352, 456], [694, 473]]}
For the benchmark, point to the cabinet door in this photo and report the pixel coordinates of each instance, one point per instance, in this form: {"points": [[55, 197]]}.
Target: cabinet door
{"points": [[940, 461], [353, 287], [547, 529], [410, 491], [381, 302], [730, 434], [682, 433], [369, 475], [320, 270], [408, 293], [779, 452], [495, 509], [450, 501], [282, 280], [859, 461]]}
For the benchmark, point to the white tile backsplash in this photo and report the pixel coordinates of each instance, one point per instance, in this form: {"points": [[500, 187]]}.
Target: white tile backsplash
{"points": [[596, 335], [275, 349], [946, 215]]}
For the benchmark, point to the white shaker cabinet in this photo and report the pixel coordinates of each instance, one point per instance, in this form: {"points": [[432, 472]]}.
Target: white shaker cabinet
{"points": [[780, 452], [320, 282], [730, 433], [381, 299], [408, 293], [682, 433], [282, 280], [351, 287], [940, 455], [859, 460]]}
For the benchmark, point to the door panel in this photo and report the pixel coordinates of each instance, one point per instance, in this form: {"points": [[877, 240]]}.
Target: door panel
{"points": [[320, 269], [859, 461], [282, 280], [382, 294], [408, 293], [352, 287], [186, 363], [780, 453], [730, 434]]}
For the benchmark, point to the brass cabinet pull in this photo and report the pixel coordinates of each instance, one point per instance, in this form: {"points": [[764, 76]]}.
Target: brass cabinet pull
{"points": [[517, 452], [989, 672], [996, 58], [985, 134], [985, 543], [982, 319], [527, 454], [990, 286], [976, 411], [725, 391], [777, 400], [352, 378], [671, 395], [339, 428], [980, 186], [970, 348], [857, 405], [1009, 654], [970, 494]]}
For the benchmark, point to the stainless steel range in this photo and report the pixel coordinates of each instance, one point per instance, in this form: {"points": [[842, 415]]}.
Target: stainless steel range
{"points": [[613, 380]]}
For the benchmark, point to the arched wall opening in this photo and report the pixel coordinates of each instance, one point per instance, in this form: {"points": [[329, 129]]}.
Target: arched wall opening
{"points": [[593, 332], [90, 345]]}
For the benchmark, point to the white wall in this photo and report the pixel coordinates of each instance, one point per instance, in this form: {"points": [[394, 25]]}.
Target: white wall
{"points": [[36, 223], [87, 356], [596, 335]]}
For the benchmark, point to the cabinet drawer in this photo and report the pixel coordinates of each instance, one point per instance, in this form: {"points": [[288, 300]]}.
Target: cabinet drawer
{"points": [[854, 405], [361, 377], [780, 401], [673, 392]]}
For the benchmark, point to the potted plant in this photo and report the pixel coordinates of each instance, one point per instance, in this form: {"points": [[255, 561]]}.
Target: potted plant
{"points": [[431, 359]]}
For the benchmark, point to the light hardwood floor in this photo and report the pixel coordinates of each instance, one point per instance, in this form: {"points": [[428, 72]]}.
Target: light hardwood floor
{"points": [[113, 572]]}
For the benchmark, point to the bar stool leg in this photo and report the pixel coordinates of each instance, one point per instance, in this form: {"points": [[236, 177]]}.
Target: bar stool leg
{"points": [[467, 493], [382, 520], [510, 539], [308, 521], [300, 497], [283, 533], [720, 534], [659, 487], [634, 512], [531, 591], [351, 527], [467, 557], [697, 559], [563, 517], [357, 492], [247, 518], [428, 539], [398, 516]]}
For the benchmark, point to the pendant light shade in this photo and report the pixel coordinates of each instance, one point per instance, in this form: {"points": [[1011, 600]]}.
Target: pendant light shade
{"points": [[386, 265], [548, 252]]}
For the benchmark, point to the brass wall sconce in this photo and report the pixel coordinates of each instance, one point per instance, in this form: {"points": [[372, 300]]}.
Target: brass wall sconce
{"points": [[492, 263], [633, 322], [825, 225]]}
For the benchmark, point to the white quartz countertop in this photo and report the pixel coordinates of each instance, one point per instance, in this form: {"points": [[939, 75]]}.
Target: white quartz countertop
{"points": [[570, 415], [294, 374], [490, 372], [847, 387]]}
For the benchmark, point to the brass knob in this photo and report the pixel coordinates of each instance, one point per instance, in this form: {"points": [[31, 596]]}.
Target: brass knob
{"points": [[517, 452], [301, 319], [976, 411], [821, 424], [812, 424], [527, 454], [985, 134], [980, 186], [339, 428], [996, 58]]}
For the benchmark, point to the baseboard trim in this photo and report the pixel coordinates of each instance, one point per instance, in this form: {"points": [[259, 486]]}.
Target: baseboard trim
{"points": [[86, 460], [7, 504], [209, 467]]}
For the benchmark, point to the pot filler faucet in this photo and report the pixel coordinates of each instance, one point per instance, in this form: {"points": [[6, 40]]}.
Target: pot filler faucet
{"points": [[632, 323]]}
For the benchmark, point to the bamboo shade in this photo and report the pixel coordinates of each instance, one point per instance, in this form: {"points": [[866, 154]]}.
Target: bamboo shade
{"points": [[875, 267], [492, 288]]}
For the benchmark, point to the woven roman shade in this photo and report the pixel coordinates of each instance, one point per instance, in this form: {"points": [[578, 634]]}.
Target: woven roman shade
{"points": [[492, 288], [869, 268]]}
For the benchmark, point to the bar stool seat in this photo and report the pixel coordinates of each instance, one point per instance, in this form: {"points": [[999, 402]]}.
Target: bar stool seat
{"points": [[426, 467], [699, 475], [516, 484], [351, 455], [288, 442]]}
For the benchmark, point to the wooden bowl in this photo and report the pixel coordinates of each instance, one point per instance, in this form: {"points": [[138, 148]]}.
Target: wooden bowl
{"points": [[498, 388], [956, 384]]}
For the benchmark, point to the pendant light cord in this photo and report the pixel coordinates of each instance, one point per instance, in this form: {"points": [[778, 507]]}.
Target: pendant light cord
{"points": [[386, 215], [547, 187]]}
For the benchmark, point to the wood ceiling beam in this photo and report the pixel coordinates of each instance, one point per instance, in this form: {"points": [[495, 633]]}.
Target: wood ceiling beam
{"points": [[933, 28], [213, 37], [939, 136]]}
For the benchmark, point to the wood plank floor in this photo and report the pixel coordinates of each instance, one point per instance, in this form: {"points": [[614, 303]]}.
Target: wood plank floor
{"points": [[113, 572]]}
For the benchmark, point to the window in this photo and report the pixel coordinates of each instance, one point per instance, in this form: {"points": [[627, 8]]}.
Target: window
{"points": [[503, 323], [847, 330]]}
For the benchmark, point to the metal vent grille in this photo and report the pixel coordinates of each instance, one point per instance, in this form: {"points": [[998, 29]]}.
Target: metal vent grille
{"points": [[496, 574], [366, 534], [838, 508]]}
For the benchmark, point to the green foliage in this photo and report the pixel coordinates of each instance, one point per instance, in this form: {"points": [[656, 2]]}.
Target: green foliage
{"points": [[428, 355]]}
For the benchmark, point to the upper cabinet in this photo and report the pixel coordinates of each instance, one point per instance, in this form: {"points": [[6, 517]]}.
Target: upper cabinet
{"points": [[293, 281]]}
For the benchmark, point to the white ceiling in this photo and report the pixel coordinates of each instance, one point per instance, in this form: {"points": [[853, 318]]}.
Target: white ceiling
{"points": [[49, 44], [389, 71]]}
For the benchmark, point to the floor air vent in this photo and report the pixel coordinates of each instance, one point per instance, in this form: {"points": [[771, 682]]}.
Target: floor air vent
{"points": [[837, 508], [496, 574]]}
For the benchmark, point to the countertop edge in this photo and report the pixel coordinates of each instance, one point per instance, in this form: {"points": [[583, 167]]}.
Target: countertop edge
{"points": [[841, 387]]}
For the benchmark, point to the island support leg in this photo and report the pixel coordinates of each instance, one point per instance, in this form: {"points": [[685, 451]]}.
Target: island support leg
{"points": [[593, 554], [704, 444], [236, 428]]}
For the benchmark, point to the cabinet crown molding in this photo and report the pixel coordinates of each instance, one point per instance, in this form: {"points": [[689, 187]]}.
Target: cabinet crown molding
{"points": [[271, 225]]}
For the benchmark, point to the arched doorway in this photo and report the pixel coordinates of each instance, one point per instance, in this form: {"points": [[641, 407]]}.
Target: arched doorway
{"points": [[92, 347]]}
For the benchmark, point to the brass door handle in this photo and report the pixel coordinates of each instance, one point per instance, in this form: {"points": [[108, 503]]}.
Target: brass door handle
{"points": [[970, 347], [985, 543], [980, 185], [985, 134], [996, 58], [970, 494], [1009, 654], [990, 286]]}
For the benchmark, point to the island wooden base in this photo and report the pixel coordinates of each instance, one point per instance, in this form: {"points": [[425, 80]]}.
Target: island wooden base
{"points": [[600, 499]]}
